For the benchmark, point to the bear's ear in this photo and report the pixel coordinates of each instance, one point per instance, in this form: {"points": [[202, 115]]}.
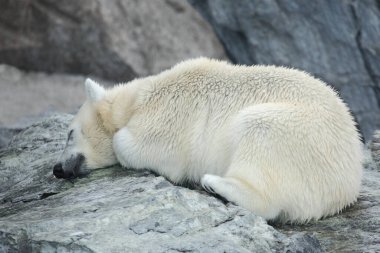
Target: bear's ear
{"points": [[94, 91]]}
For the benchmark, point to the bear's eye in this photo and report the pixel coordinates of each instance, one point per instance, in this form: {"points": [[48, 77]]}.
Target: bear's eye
{"points": [[70, 135]]}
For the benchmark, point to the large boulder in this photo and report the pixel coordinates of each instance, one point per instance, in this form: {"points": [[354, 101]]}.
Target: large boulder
{"points": [[117, 210], [112, 39], [121, 210], [337, 41]]}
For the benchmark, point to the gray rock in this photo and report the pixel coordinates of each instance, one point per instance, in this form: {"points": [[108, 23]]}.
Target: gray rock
{"points": [[116, 209], [6, 135], [337, 41], [374, 146], [112, 39], [27, 96]]}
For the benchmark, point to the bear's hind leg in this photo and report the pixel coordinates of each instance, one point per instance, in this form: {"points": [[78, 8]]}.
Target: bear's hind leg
{"points": [[240, 193]]}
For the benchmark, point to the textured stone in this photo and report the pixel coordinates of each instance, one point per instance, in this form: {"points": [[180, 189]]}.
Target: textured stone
{"points": [[337, 41], [374, 146], [6, 135], [121, 210], [116, 209], [112, 39]]}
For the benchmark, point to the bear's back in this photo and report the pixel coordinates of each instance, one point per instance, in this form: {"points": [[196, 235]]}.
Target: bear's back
{"points": [[227, 88]]}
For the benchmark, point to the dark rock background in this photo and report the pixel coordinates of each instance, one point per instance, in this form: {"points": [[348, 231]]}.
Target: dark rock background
{"points": [[337, 41], [113, 39]]}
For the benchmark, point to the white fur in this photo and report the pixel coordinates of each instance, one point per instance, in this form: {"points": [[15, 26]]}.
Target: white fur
{"points": [[274, 140], [94, 91]]}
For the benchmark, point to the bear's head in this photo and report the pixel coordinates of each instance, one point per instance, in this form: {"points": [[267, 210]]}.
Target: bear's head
{"points": [[89, 142]]}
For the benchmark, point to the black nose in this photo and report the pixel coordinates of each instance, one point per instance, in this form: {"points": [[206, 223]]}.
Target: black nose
{"points": [[58, 170]]}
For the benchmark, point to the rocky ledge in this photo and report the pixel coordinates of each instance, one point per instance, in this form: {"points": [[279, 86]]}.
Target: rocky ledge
{"points": [[121, 210]]}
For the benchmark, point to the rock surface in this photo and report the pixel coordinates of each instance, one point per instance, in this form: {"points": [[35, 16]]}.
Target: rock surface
{"points": [[116, 209], [6, 135], [374, 146], [113, 39], [337, 41], [120, 210]]}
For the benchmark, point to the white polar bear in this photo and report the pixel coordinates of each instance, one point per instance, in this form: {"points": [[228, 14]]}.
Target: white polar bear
{"points": [[273, 140]]}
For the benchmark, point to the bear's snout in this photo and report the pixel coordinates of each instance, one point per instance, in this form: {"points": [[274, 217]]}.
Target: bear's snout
{"points": [[58, 170], [71, 168]]}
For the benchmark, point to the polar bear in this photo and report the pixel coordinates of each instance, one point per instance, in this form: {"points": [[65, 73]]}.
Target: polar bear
{"points": [[271, 139]]}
